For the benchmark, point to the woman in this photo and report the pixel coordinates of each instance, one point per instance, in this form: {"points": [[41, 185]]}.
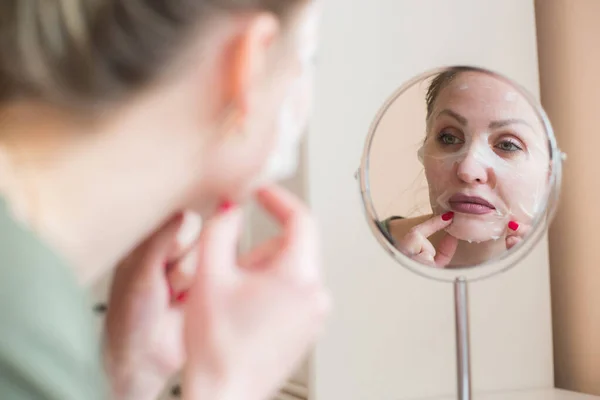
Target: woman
{"points": [[116, 117], [487, 164]]}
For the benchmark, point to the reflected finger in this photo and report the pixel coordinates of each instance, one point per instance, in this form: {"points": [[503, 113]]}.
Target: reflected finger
{"points": [[414, 243], [434, 224], [512, 241], [518, 229], [446, 249], [425, 258]]}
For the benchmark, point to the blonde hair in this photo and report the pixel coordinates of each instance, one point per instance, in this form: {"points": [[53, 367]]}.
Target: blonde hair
{"points": [[85, 52]]}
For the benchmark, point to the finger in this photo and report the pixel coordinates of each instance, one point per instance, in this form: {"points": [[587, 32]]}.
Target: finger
{"points": [[434, 224], [260, 255], [181, 273], [217, 247], [160, 246], [512, 241], [189, 231], [297, 255], [414, 244], [517, 229], [187, 237], [427, 247], [287, 209], [425, 258], [181, 266], [445, 251]]}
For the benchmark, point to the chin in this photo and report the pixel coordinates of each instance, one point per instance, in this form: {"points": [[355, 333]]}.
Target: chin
{"points": [[278, 169], [476, 229]]}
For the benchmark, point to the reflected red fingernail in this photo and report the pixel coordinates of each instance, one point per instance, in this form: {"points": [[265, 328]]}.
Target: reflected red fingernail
{"points": [[181, 297], [448, 216], [513, 225], [225, 206]]}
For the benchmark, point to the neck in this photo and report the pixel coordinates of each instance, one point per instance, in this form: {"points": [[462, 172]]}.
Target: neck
{"points": [[468, 254], [91, 196]]}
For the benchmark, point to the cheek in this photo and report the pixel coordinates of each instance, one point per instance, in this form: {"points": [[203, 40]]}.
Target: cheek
{"points": [[291, 120], [438, 175], [294, 115], [524, 194], [297, 105]]}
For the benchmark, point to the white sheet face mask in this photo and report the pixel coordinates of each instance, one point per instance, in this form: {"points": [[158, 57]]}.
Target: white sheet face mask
{"points": [[516, 187], [296, 109]]}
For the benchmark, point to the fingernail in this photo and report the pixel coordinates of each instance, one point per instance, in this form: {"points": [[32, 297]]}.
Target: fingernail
{"points": [[448, 216], [225, 206], [513, 225], [181, 297], [179, 217]]}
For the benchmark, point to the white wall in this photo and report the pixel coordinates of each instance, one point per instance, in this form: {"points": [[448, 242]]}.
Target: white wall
{"points": [[391, 336]]}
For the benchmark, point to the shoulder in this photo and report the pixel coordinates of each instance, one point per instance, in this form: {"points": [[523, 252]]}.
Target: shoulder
{"points": [[49, 341], [27, 265]]}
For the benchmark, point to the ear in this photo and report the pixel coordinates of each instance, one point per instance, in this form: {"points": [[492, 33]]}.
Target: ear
{"points": [[247, 60]]}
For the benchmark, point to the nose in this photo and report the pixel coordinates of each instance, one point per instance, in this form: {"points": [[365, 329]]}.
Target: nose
{"points": [[471, 170]]}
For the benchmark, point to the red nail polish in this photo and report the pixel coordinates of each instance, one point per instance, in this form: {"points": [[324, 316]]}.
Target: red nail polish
{"points": [[225, 206], [513, 225], [448, 216], [181, 297]]}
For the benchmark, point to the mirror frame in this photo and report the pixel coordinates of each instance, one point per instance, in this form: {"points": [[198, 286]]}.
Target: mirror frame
{"points": [[491, 267]]}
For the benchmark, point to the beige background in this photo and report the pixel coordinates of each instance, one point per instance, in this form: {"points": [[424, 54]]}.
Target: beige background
{"points": [[568, 40], [391, 336], [397, 178]]}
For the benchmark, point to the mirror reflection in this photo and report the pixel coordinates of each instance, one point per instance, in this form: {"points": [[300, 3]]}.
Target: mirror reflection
{"points": [[459, 168]]}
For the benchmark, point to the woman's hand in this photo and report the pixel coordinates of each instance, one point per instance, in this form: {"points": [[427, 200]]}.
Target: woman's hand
{"points": [[144, 322], [250, 322], [516, 232], [416, 245]]}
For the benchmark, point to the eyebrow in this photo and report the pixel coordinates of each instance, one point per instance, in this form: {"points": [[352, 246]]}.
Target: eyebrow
{"points": [[493, 125], [461, 120], [506, 122]]}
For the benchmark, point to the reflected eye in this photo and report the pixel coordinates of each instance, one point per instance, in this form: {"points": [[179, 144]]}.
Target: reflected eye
{"points": [[448, 139], [508, 146]]}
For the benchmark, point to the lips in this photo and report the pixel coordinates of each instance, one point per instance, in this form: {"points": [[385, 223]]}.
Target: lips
{"points": [[470, 204]]}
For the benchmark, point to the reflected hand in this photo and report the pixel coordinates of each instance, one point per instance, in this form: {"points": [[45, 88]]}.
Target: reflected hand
{"points": [[249, 323], [416, 245], [516, 233]]}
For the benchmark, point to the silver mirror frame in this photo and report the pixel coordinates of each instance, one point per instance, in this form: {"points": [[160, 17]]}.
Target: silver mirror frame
{"points": [[492, 267]]}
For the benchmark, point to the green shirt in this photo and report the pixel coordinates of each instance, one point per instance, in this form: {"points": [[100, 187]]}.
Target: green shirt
{"points": [[49, 345]]}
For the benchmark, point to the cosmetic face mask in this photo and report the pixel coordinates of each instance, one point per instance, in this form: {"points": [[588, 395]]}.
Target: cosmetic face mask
{"points": [[511, 188], [296, 109]]}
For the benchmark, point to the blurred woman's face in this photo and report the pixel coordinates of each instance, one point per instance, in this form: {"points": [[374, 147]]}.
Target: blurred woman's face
{"points": [[485, 156], [292, 115], [277, 109]]}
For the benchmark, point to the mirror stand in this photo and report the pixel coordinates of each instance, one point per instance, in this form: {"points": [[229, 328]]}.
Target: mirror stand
{"points": [[463, 354], [413, 133]]}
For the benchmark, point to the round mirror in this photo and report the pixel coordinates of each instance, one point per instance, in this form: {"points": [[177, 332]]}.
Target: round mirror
{"points": [[460, 173]]}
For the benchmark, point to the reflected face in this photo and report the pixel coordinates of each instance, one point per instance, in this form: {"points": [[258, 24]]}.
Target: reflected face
{"points": [[485, 156]]}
